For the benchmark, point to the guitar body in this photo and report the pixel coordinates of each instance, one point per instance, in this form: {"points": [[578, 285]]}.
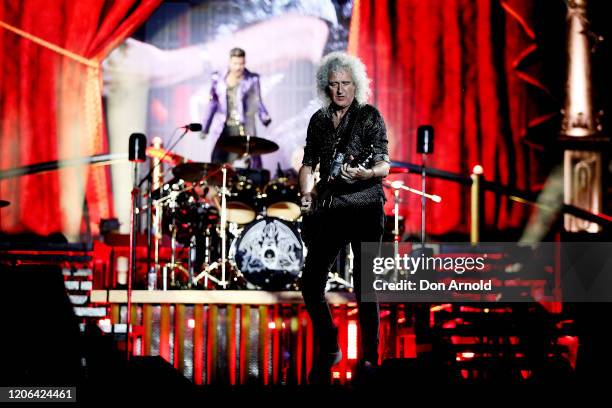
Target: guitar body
{"points": [[312, 220]]}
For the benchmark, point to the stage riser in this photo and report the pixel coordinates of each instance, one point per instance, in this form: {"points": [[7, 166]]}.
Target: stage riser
{"points": [[241, 344]]}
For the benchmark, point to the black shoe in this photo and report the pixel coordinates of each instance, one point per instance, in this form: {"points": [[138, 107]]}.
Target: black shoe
{"points": [[320, 374], [366, 373]]}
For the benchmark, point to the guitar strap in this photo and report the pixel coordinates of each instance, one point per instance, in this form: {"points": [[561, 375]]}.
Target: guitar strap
{"points": [[342, 143]]}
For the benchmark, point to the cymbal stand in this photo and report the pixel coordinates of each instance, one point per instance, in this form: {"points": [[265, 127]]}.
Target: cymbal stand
{"points": [[173, 257], [172, 204], [207, 265], [205, 273], [247, 154], [223, 225], [400, 185], [397, 186], [396, 230], [172, 265], [347, 280], [158, 219]]}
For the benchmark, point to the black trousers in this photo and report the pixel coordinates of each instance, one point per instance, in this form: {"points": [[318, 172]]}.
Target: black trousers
{"points": [[219, 156], [334, 229]]}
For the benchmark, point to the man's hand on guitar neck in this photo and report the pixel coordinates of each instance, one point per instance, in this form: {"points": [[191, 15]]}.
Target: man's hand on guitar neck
{"points": [[351, 174]]}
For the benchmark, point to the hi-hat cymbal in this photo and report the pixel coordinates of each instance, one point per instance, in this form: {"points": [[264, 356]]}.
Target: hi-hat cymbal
{"points": [[194, 172], [4, 203], [166, 155], [251, 145]]}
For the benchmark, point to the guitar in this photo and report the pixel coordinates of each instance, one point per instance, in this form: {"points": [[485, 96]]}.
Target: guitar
{"points": [[325, 197]]}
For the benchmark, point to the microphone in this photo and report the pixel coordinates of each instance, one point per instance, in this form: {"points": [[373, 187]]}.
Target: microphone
{"points": [[138, 147], [425, 139], [193, 127]]}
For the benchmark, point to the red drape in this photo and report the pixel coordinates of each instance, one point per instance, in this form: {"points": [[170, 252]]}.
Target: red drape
{"points": [[51, 108], [459, 65]]}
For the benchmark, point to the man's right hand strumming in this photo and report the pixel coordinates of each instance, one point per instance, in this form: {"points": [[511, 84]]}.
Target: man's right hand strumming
{"points": [[307, 188], [307, 201]]}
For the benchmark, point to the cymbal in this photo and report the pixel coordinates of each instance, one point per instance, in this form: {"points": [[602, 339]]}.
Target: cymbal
{"points": [[4, 203], [168, 156], [247, 144], [194, 172]]}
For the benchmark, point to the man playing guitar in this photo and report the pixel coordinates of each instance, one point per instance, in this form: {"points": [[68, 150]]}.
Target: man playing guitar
{"points": [[347, 139]]}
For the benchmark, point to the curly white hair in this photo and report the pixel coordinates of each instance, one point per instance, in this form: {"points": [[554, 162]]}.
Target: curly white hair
{"points": [[341, 61]]}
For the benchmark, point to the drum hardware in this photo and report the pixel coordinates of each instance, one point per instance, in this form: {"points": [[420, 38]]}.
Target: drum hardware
{"points": [[223, 261], [345, 282], [243, 202], [282, 199], [258, 177], [137, 153], [187, 217], [280, 264], [243, 196], [173, 265], [398, 185]]}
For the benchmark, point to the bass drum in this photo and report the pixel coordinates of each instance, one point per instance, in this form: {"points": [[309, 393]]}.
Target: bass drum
{"points": [[269, 254]]}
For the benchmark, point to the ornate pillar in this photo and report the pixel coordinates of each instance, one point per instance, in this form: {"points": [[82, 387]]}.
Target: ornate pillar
{"points": [[580, 130]]}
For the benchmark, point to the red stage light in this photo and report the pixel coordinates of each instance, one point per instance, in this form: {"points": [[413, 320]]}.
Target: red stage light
{"points": [[466, 355], [351, 353]]}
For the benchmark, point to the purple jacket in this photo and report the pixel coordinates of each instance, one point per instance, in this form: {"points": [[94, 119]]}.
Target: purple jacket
{"points": [[250, 95]]}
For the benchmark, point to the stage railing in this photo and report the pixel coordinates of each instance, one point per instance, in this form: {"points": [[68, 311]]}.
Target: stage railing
{"points": [[478, 185]]}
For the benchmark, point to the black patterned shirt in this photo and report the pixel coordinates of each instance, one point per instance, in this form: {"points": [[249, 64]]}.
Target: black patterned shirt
{"points": [[361, 134]]}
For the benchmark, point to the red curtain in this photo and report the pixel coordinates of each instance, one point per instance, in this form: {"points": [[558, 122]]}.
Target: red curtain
{"points": [[51, 107], [464, 67]]}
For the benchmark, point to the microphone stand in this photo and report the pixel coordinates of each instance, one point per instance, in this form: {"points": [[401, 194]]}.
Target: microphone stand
{"points": [[132, 259], [423, 202]]}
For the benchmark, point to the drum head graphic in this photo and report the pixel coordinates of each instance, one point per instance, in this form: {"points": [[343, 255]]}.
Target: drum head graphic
{"points": [[270, 254]]}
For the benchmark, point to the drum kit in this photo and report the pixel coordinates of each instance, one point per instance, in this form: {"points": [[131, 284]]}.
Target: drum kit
{"points": [[242, 229]]}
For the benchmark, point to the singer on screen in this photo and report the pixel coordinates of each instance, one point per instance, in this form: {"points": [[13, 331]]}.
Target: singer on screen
{"points": [[235, 98], [347, 138]]}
